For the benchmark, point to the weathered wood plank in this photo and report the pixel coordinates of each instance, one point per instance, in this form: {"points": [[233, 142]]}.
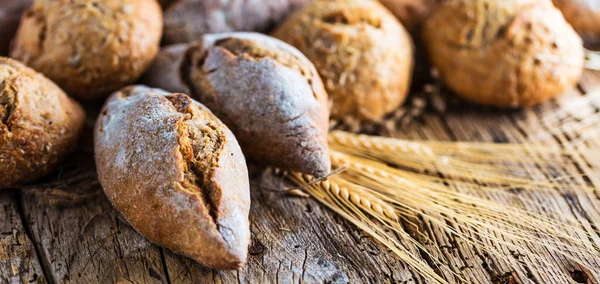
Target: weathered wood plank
{"points": [[81, 238], [471, 123], [18, 260], [469, 263], [513, 127]]}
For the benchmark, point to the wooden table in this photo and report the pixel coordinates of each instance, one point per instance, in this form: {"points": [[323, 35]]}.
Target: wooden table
{"points": [[63, 229]]}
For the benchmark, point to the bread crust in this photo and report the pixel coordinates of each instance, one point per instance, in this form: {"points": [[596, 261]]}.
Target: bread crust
{"points": [[39, 124], [10, 15], [176, 173], [188, 20], [583, 15], [266, 91], [90, 49], [361, 51], [507, 54]]}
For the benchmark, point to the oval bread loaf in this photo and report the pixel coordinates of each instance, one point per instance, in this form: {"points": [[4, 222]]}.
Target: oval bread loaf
{"points": [[266, 91], [176, 173], [39, 124]]}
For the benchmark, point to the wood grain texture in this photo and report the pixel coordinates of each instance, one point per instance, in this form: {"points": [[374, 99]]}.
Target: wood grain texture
{"points": [[18, 260], [82, 239]]}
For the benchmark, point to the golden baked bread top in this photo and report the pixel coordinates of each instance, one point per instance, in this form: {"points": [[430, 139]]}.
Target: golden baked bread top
{"points": [[89, 48]]}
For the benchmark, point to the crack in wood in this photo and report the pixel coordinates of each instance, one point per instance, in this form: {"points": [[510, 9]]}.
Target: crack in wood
{"points": [[38, 252]]}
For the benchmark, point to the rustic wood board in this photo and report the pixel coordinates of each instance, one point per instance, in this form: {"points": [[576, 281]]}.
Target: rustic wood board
{"points": [[62, 229]]}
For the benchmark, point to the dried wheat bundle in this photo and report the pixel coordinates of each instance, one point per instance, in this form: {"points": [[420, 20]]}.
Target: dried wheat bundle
{"points": [[466, 162], [390, 188]]}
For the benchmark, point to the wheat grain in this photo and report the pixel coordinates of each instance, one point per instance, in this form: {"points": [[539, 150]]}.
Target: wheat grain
{"points": [[378, 143], [357, 196], [500, 165], [352, 206], [401, 185], [366, 184], [297, 193]]}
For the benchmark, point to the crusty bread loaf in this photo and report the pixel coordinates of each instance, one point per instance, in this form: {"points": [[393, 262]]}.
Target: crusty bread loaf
{"points": [[584, 15], [176, 173], [361, 51], [504, 53], [265, 90], [10, 15], [188, 20], [39, 124], [90, 49]]}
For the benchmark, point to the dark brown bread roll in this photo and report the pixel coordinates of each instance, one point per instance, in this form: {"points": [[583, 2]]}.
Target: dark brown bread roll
{"points": [[361, 51], [266, 91], [176, 173], [39, 124], [584, 15], [504, 53], [10, 15], [188, 20], [411, 13], [90, 49]]}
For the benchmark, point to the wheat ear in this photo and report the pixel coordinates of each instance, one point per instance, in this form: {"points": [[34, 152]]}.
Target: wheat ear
{"points": [[500, 165], [368, 184]]}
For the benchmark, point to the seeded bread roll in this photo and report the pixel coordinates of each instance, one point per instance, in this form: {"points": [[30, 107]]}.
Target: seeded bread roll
{"points": [[584, 15], [188, 20], [10, 15], [90, 48], [176, 173], [361, 51], [504, 53], [39, 124], [266, 91]]}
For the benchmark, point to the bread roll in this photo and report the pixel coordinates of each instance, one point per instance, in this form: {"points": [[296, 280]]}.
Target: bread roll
{"points": [[266, 91], [188, 20], [90, 49], [504, 53], [10, 15], [176, 173], [411, 13], [584, 15], [361, 51], [39, 124]]}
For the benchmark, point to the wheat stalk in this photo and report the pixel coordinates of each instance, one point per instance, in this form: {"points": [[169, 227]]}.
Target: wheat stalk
{"points": [[371, 194], [478, 163], [350, 204], [356, 195]]}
